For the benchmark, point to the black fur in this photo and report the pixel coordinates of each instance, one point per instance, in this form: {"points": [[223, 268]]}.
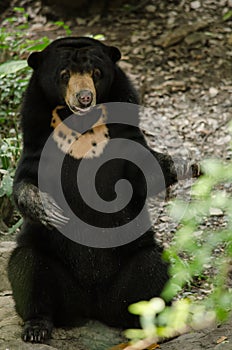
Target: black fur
{"points": [[56, 281]]}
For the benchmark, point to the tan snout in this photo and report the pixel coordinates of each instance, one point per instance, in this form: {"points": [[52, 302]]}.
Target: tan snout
{"points": [[80, 92]]}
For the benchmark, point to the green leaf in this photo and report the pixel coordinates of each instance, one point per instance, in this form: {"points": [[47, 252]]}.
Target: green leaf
{"points": [[214, 168], [38, 47], [227, 16], [99, 37], [171, 290], [6, 185], [134, 334], [152, 307], [157, 305], [12, 67], [59, 23], [139, 308], [19, 9], [15, 226]]}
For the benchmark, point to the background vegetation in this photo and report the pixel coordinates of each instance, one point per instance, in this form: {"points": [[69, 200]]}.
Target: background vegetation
{"points": [[187, 313], [14, 77]]}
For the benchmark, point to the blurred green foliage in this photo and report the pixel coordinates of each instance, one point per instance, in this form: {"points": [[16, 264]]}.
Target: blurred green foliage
{"points": [[207, 194], [14, 77]]}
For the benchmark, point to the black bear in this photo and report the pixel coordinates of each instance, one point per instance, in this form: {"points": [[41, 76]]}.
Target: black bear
{"points": [[57, 280]]}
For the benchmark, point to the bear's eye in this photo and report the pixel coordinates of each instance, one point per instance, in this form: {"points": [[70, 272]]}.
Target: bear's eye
{"points": [[65, 75], [97, 73]]}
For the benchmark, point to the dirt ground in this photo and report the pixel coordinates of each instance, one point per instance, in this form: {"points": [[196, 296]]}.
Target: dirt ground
{"points": [[179, 56]]}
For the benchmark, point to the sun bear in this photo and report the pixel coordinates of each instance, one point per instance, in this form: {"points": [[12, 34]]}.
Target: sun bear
{"points": [[57, 279]]}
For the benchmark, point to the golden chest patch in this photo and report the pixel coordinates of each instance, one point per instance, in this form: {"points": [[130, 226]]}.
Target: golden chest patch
{"points": [[88, 145]]}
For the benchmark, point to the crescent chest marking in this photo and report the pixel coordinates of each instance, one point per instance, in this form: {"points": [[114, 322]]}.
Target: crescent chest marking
{"points": [[88, 145]]}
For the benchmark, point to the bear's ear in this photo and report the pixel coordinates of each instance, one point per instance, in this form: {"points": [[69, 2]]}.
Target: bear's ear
{"points": [[34, 60], [115, 54]]}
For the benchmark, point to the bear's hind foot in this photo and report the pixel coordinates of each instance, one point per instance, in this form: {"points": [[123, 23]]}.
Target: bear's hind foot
{"points": [[37, 331]]}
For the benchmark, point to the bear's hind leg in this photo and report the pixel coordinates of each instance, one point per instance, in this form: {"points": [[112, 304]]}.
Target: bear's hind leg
{"points": [[32, 283], [39, 285], [141, 278]]}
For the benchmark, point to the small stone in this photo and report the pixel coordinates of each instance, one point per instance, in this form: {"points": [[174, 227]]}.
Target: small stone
{"points": [[230, 38], [6, 249], [223, 140], [195, 5], [149, 48], [80, 21], [215, 212], [126, 65], [150, 8], [165, 218], [213, 92], [193, 79], [135, 38], [195, 38], [136, 50]]}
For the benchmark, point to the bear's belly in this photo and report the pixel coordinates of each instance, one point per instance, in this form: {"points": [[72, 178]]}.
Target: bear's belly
{"points": [[89, 266]]}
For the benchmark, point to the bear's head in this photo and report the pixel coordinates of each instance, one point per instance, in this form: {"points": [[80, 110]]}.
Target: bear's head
{"points": [[75, 71]]}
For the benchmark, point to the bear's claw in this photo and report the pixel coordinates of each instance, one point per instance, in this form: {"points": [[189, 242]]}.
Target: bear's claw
{"points": [[186, 169], [54, 214], [37, 331]]}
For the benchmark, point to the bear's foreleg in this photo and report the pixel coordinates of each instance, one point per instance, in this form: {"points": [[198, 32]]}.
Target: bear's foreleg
{"points": [[175, 168], [38, 206]]}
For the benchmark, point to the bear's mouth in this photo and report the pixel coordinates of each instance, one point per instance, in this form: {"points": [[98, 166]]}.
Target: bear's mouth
{"points": [[80, 110]]}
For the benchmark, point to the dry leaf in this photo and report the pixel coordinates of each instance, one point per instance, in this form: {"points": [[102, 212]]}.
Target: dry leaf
{"points": [[221, 339]]}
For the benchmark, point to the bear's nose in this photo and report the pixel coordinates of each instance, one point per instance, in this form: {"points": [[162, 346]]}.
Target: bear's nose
{"points": [[85, 97]]}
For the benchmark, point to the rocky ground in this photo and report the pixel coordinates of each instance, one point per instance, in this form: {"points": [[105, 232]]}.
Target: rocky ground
{"points": [[179, 55]]}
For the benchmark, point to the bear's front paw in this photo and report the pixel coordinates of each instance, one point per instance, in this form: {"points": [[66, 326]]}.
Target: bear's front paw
{"points": [[51, 214], [186, 169], [37, 331], [39, 206]]}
